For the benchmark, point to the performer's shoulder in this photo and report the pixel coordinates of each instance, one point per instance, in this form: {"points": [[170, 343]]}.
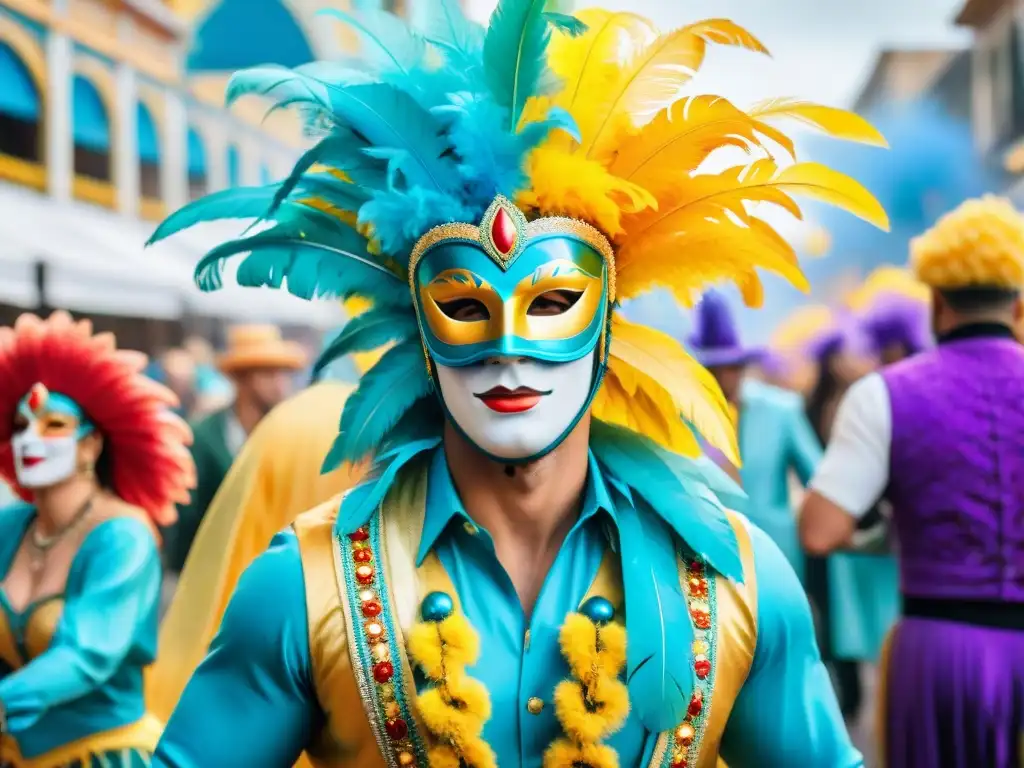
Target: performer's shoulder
{"points": [[320, 518]]}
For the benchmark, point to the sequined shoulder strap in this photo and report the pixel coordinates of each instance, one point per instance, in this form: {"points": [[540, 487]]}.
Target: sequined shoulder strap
{"points": [[380, 595], [724, 616], [331, 633]]}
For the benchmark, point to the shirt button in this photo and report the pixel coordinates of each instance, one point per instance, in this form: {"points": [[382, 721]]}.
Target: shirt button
{"points": [[534, 706], [470, 528]]}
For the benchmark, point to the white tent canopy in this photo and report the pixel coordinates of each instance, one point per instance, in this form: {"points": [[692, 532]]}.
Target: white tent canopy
{"points": [[96, 261]]}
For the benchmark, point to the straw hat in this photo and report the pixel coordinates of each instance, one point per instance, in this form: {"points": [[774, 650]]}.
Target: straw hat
{"points": [[259, 346]]}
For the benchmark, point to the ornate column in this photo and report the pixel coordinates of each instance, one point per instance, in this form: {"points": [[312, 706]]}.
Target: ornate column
{"points": [[59, 119]]}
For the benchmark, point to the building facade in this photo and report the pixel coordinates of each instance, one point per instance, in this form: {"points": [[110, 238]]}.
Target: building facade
{"points": [[111, 115]]}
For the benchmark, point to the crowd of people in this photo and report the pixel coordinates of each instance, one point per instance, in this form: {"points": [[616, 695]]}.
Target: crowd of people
{"points": [[236, 559]]}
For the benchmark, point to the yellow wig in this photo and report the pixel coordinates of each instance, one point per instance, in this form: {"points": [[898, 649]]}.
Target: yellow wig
{"points": [[275, 478], [981, 243]]}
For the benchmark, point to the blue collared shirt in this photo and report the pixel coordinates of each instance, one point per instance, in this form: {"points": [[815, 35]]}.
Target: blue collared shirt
{"points": [[522, 659], [257, 679]]}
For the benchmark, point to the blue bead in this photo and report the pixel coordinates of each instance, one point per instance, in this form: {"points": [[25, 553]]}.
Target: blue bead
{"points": [[437, 606], [598, 610]]}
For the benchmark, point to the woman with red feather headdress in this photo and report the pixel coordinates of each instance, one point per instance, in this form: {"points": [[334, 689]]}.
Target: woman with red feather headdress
{"points": [[98, 458]]}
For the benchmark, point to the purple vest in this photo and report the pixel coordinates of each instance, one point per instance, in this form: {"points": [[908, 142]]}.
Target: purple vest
{"points": [[957, 469]]}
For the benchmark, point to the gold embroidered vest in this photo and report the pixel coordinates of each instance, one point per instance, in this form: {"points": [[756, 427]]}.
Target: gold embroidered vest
{"points": [[358, 616]]}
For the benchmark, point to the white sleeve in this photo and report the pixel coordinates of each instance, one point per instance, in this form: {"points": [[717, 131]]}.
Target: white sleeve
{"points": [[855, 470]]}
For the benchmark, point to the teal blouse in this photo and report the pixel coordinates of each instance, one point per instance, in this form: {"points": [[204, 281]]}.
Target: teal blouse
{"points": [[775, 439], [257, 682], [89, 679]]}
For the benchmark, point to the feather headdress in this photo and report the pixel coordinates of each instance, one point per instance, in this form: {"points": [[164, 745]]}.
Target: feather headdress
{"points": [[150, 465], [582, 117]]}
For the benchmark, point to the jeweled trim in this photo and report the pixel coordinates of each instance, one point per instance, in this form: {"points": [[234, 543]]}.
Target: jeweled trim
{"points": [[379, 669], [686, 741]]}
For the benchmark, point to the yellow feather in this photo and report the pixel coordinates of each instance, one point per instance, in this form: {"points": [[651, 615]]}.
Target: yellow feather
{"points": [[835, 122], [681, 137], [655, 78], [567, 184], [828, 186], [589, 63], [708, 252], [693, 392]]}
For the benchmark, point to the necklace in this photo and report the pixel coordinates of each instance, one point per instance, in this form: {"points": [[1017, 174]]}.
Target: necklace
{"points": [[42, 544]]}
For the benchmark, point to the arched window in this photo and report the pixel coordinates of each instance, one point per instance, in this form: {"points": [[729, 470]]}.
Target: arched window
{"points": [[149, 153], [20, 109], [234, 167], [91, 131], [197, 185]]}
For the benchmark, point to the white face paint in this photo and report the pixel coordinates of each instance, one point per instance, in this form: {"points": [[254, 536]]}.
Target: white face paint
{"points": [[516, 409], [40, 462]]}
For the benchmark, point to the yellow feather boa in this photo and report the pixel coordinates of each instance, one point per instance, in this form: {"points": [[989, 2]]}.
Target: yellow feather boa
{"points": [[590, 706]]}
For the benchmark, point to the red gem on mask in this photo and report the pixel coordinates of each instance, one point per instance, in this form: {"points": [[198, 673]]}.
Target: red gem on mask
{"points": [[503, 232], [37, 397]]}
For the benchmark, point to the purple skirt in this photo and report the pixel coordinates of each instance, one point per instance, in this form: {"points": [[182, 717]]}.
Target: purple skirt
{"points": [[953, 696]]}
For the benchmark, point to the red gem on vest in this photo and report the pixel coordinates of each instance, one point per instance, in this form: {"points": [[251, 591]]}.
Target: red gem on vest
{"points": [[397, 729], [383, 671], [360, 534], [696, 704], [503, 232], [702, 668]]}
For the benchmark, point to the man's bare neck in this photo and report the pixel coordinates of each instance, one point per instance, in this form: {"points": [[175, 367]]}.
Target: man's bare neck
{"points": [[530, 501], [528, 510]]}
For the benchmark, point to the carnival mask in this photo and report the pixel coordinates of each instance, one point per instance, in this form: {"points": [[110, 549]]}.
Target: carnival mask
{"points": [[47, 429], [514, 319]]}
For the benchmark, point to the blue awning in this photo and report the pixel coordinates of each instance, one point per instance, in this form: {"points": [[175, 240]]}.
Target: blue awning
{"points": [[196, 154], [149, 143], [18, 95], [91, 124]]}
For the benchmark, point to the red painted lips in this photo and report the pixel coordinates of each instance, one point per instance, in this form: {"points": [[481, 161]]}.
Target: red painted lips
{"points": [[504, 400]]}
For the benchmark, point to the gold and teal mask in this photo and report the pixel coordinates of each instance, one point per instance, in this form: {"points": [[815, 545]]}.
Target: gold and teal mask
{"points": [[512, 288], [514, 320]]}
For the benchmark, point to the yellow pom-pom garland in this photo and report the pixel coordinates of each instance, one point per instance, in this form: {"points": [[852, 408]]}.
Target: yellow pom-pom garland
{"points": [[980, 244], [594, 703], [455, 707]]}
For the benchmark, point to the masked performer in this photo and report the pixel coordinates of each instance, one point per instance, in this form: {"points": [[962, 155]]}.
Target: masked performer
{"points": [[774, 434], [92, 447], [941, 433], [529, 508]]}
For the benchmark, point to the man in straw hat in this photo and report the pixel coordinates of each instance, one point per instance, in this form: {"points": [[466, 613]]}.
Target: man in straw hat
{"points": [[942, 434], [261, 365]]}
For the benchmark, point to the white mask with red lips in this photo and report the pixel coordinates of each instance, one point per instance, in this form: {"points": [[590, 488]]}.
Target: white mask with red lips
{"points": [[40, 461], [518, 408]]}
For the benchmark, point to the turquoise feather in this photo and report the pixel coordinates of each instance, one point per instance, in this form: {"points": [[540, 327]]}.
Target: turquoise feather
{"points": [[385, 393], [659, 669], [566, 24], [359, 503], [390, 118], [342, 150], [238, 203], [389, 45], [448, 28], [677, 492], [515, 64], [277, 83], [370, 330], [280, 254]]}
